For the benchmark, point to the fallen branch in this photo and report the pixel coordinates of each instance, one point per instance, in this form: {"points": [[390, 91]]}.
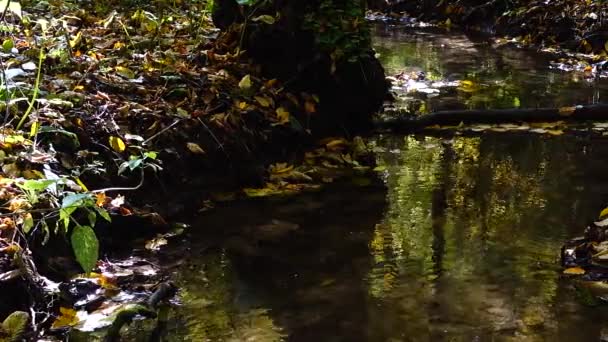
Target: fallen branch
{"points": [[494, 116]]}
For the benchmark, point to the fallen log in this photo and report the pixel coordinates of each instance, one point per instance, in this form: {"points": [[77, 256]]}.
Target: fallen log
{"points": [[495, 116]]}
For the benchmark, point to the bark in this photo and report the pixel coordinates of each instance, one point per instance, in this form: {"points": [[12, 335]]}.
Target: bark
{"points": [[456, 117], [350, 87]]}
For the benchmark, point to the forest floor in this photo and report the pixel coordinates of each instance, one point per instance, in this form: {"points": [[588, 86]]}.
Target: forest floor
{"points": [[110, 111]]}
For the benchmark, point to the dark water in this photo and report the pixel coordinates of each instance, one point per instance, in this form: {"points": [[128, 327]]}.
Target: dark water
{"points": [[459, 242], [500, 76]]}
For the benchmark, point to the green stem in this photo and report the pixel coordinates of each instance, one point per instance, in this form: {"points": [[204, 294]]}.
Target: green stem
{"points": [[36, 89]]}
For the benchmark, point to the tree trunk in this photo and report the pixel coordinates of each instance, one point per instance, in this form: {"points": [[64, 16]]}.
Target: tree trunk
{"points": [[321, 47]]}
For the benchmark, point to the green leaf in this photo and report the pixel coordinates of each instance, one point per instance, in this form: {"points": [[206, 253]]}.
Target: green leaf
{"points": [[103, 213], [151, 155], [73, 137], [265, 18], [36, 184], [85, 246], [7, 45], [28, 223], [131, 165], [70, 203], [92, 216]]}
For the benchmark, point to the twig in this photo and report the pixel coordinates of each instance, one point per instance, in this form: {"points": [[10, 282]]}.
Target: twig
{"points": [[162, 131], [141, 182]]}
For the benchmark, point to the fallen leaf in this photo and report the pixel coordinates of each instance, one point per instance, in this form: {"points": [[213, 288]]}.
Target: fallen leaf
{"points": [[125, 72], [603, 213], [282, 115], [309, 107], [245, 82], [263, 101], [155, 244], [67, 317], [117, 144], [195, 148], [100, 199], [265, 18]]}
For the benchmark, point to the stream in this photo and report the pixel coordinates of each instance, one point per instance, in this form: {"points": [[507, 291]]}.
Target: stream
{"points": [[458, 240]]}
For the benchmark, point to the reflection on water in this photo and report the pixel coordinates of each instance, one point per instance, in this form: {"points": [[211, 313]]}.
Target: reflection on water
{"points": [[501, 77], [461, 245]]}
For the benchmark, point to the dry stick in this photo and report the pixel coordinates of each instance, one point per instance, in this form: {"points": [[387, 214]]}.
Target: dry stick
{"points": [[212, 135], [162, 131]]}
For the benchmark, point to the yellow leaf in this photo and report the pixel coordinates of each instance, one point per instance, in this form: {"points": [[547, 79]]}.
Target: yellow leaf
{"points": [[117, 144], [100, 199], [555, 131], [76, 41], [263, 101], [604, 213], [566, 111], [119, 45], [195, 148], [66, 318], [336, 144], [34, 128], [245, 82], [574, 271], [125, 72], [280, 168], [282, 115]]}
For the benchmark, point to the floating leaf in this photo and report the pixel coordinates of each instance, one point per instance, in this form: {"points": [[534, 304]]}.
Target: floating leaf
{"points": [[566, 111], [117, 144], [85, 246], [574, 271]]}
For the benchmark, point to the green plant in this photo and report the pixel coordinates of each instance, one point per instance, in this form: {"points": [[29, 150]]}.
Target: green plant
{"points": [[340, 29]]}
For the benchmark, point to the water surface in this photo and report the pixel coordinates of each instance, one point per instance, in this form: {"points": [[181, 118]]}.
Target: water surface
{"points": [[459, 242]]}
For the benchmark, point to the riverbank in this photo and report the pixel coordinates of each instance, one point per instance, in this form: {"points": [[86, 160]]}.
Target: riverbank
{"points": [[573, 25], [117, 120]]}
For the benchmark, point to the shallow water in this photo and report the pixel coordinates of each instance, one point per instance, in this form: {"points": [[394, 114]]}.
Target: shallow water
{"points": [[459, 242]]}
